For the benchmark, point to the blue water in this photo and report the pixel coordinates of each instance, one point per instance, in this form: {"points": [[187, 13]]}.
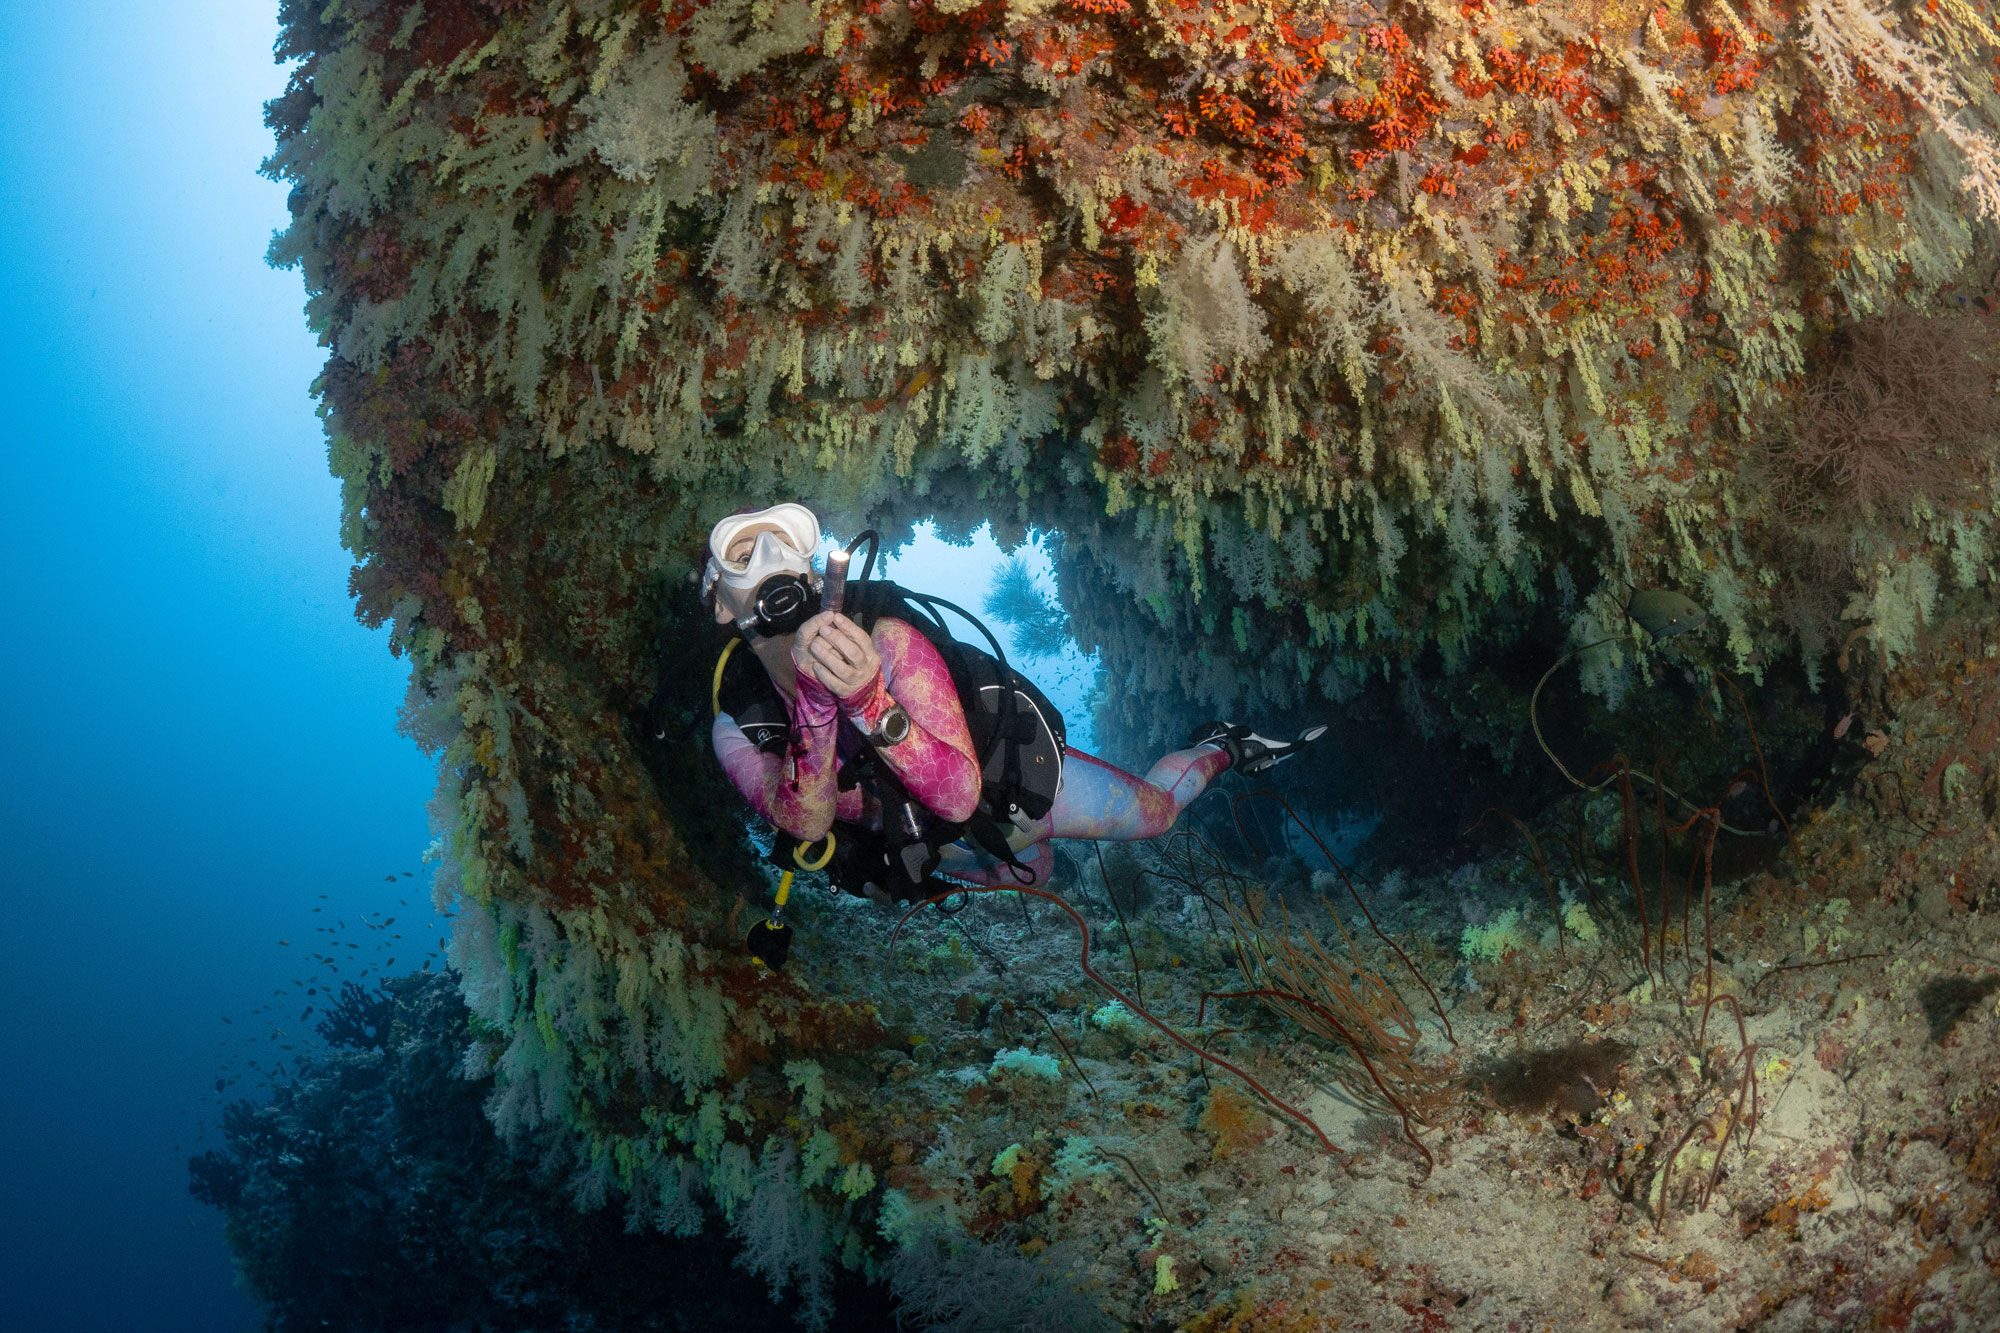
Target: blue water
{"points": [[196, 737], [964, 574]]}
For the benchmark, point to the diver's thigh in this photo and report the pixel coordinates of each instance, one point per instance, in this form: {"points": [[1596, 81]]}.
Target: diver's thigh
{"points": [[1097, 800]]}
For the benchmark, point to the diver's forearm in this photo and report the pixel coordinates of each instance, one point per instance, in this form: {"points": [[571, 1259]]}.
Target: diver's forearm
{"points": [[941, 776], [803, 797], [935, 760], [794, 788]]}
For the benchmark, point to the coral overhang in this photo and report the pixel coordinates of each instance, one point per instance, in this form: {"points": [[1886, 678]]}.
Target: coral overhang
{"points": [[1379, 315], [1374, 326]]}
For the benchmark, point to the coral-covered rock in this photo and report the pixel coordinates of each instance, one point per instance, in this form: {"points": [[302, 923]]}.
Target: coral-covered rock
{"points": [[1334, 340], [369, 1193]]}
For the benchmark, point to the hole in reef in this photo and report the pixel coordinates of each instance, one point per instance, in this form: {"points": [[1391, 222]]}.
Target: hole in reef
{"points": [[1385, 791], [1014, 592]]}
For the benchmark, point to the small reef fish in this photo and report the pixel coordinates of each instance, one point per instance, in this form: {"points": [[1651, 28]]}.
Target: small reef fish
{"points": [[1663, 613]]}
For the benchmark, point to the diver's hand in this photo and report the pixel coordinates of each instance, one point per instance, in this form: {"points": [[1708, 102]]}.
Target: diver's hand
{"points": [[835, 652], [803, 660]]}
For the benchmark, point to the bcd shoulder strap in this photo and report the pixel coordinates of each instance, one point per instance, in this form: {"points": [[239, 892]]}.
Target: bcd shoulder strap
{"points": [[747, 693]]}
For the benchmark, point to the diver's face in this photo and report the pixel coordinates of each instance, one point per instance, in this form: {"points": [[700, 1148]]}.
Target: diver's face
{"points": [[746, 542], [731, 605]]}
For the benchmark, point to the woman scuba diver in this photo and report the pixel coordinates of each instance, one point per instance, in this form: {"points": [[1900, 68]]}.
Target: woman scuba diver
{"points": [[893, 685]]}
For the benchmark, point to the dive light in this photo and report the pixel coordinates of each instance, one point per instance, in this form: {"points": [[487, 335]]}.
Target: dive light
{"points": [[833, 586]]}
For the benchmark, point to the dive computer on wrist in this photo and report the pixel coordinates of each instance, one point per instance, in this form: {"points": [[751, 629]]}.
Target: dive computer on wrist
{"points": [[891, 727]]}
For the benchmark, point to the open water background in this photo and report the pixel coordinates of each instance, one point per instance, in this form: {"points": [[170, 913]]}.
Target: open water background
{"points": [[196, 737]]}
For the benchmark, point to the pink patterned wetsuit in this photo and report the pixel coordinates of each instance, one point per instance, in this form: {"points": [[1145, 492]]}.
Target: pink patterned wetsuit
{"points": [[937, 762]]}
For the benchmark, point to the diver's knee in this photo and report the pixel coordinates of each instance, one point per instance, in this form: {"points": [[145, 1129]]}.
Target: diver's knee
{"points": [[1038, 859]]}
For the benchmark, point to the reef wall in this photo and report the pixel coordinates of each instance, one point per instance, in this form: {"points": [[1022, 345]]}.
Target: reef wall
{"points": [[1337, 340]]}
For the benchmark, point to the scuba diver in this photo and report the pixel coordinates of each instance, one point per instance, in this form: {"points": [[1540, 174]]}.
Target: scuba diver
{"points": [[865, 733]]}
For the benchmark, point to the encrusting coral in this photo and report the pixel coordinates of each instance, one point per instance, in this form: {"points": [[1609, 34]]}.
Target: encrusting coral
{"points": [[1335, 340], [1371, 318]]}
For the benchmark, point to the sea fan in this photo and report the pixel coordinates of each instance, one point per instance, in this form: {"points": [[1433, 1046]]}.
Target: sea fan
{"points": [[1040, 626], [1903, 408]]}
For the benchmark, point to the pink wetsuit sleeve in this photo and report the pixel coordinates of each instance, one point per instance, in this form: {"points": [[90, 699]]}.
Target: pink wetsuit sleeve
{"points": [[794, 790], [936, 760]]}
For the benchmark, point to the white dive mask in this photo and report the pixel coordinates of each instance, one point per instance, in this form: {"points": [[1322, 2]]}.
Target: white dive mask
{"points": [[788, 551]]}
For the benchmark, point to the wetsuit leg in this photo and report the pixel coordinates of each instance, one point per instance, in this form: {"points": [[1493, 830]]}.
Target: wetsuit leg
{"points": [[1099, 800]]}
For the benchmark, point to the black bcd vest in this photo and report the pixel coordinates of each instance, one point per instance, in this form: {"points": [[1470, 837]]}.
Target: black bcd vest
{"points": [[1017, 734]]}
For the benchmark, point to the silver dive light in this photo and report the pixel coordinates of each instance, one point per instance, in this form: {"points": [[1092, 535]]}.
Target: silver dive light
{"points": [[833, 585]]}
